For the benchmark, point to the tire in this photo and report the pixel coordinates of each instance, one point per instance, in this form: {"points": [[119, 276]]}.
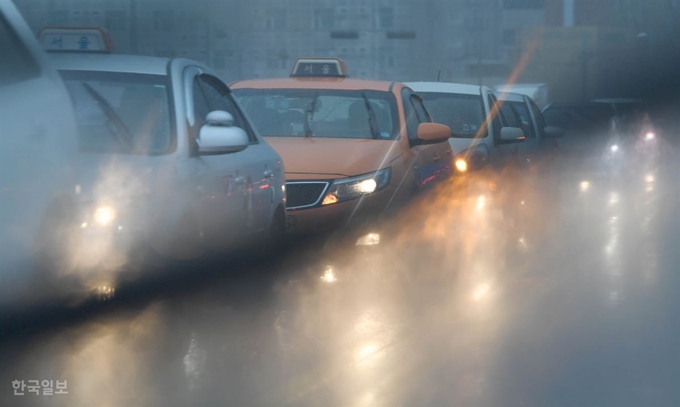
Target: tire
{"points": [[277, 230]]}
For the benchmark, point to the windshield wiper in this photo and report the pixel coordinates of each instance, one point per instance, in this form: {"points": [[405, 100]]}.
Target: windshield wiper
{"points": [[372, 122], [122, 133], [309, 115]]}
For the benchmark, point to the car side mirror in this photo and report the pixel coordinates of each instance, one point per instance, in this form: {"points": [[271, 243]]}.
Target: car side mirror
{"points": [[553, 132], [432, 133], [220, 136], [511, 135]]}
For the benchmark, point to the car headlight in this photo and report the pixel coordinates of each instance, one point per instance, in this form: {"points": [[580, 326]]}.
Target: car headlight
{"points": [[650, 136], [470, 159], [356, 187], [99, 216]]}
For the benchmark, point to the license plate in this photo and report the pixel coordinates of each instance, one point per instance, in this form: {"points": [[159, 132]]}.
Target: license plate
{"points": [[290, 222]]}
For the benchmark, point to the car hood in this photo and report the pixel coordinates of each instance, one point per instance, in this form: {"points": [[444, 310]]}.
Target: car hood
{"points": [[116, 176], [316, 157]]}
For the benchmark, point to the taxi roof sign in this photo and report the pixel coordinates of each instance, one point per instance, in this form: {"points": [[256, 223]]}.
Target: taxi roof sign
{"points": [[75, 39], [319, 68]]}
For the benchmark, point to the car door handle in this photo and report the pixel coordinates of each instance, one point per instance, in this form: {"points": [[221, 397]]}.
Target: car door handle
{"points": [[268, 174], [436, 158]]}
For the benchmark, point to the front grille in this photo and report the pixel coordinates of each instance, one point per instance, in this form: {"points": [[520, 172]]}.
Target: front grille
{"points": [[304, 194]]}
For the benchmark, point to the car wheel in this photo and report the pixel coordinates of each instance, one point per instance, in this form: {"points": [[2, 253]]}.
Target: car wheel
{"points": [[277, 230]]}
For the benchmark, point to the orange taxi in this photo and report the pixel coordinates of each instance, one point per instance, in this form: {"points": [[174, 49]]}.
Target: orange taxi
{"points": [[352, 148]]}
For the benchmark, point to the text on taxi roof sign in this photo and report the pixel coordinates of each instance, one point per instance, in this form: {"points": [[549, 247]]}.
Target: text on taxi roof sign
{"points": [[319, 67], [75, 39]]}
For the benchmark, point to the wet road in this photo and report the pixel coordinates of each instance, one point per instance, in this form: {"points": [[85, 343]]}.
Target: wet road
{"points": [[553, 289]]}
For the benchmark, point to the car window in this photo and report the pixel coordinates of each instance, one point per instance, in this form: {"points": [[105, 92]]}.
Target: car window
{"points": [[496, 122], [201, 107], [517, 115], [421, 111], [538, 116], [16, 64], [218, 97], [410, 114]]}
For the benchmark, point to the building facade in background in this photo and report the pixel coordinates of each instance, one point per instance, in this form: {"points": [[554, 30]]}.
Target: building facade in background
{"points": [[455, 40]]}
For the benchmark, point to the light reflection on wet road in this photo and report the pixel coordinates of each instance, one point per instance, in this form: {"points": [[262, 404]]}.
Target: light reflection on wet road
{"points": [[546, 292]]}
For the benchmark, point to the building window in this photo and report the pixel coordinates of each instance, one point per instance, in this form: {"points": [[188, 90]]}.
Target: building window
{"points": [[385, 18], [324, 19], [401, 35], [165, 54], [344, 35], [523, 4], [509, 36], [163, 20], [115, 20], [59, 17], [276, 19]]}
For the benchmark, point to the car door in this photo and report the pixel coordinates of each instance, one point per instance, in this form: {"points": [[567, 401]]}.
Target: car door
{"points": [[260, 161], [221, 180], [544, 145], [502, 153], [432, 161]]}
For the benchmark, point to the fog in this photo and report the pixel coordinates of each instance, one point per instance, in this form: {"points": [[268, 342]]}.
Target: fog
{"points": [[543, 281]]}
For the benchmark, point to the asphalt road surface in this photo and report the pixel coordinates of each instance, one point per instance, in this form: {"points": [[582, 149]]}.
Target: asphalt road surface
{"points": [[554, 287]]}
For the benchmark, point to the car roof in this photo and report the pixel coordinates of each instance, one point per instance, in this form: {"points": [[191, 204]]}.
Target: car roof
{"points": [[314, 83], [511, 97], [110, 63], [619, 100], [445, 87], [566, 105]]}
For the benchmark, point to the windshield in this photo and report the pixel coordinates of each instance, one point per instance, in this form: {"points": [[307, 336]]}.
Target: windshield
{"points": [[589, 117], [121, 113], [321, 113], [464, 114]]}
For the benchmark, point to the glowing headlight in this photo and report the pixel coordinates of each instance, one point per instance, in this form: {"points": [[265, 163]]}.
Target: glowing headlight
{"points": [[370, 239], [355, 187], [471, 159], [614, 148], [650, 136], [104, 215], [461, 165]]}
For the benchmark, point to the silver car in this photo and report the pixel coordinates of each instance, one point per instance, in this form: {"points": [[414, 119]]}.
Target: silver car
{"points": [[168, 160]]}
